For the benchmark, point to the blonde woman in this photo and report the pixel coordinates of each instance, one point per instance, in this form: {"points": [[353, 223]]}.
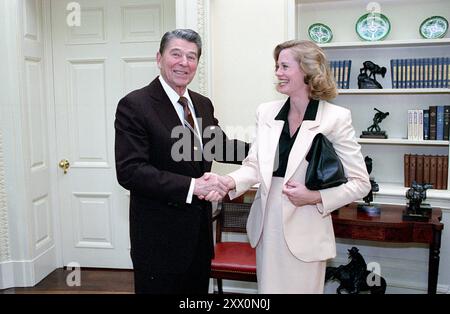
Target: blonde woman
{"points": [[289, 225]]}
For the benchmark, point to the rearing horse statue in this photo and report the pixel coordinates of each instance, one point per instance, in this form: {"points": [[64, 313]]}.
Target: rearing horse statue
{"points": [[353, 276], [369, 80]]}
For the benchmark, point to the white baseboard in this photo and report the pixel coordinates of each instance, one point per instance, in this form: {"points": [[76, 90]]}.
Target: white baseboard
{"points": [[6, 275], [27, 273]]}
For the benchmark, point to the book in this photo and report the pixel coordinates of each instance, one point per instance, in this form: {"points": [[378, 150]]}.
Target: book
{"points": [[440, 123], [446, 122], [426, 124], [412, 169], [347, 79], [393, 73], [419, 169], [426, 76], [420, 124], [402, 74], [439, 173], [415, 128], [421, 70], [426, 168], [447, 74], [408, 73], [433, 111], [433, 168], [410, 124], [445, 173], [406, 170]]}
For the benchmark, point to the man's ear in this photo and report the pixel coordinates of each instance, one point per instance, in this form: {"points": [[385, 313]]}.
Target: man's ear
{"points": [[158, 59]]}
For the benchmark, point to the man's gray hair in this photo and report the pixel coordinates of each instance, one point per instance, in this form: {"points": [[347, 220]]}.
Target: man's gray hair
{"points": [[186, 34]]}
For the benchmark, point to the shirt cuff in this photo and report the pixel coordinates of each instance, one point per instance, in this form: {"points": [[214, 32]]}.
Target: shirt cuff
{"points": [[190, 192]]}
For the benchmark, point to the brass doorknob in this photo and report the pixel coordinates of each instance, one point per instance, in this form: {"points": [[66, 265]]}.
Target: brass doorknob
{"points": [[64, 165]]}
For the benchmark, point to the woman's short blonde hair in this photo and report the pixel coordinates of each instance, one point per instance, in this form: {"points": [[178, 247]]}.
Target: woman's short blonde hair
{"points": [[314, 64]]}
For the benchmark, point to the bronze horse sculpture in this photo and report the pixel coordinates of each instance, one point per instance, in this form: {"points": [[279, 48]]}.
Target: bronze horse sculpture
{"points": [[353, 276], [369, 81]]}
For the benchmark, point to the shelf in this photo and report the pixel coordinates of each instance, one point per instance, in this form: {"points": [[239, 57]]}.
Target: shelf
{"points": [[388, 43], [394, 91], [393, 189], [400, 141]]}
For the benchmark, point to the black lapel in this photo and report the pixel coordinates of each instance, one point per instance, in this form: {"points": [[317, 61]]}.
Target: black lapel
{"points": [[163, 106], [166, 112]]}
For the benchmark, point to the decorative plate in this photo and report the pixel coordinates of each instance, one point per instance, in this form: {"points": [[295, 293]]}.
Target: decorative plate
{"points": [[434, 27], [373, 26], [320, 33]]}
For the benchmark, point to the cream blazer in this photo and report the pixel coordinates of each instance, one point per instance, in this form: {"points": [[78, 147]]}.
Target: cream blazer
{"points": [[308, 230]]}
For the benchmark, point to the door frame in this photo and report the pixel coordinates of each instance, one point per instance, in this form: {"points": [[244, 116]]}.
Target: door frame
{"points": [[192, 14]]}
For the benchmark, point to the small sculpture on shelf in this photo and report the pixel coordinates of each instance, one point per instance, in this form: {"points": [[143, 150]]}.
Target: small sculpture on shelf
{"points": [[354, 277], [369, 81], [370, 209], [417, 210], [374, 130]]}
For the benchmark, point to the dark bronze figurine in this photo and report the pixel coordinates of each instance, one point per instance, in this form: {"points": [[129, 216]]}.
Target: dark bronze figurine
{"points": [[353, 277], [374, 131], [369, 81], [417, 210], [367, 207]]}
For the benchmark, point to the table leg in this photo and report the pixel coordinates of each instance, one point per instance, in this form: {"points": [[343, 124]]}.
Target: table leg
{"points": [[433, 262]]}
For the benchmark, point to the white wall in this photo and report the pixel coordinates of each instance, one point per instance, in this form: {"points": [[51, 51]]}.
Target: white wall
{"points": [[21, 124], [12, 150], [243, 36], [4, 231]]}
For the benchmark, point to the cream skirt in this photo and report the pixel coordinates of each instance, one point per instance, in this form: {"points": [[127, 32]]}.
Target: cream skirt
{"points": [[278, 270]]}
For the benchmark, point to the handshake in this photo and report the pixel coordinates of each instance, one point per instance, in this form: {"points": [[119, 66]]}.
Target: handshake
{"points": [[213, 187]]}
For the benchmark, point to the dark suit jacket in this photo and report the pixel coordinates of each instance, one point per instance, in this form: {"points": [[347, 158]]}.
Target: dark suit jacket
{"points": [[163, 227]]}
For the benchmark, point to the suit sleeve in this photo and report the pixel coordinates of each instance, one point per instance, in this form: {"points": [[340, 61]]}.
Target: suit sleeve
{"points": [[231, 151], [133, 167], [349, 152], [248, 174]]}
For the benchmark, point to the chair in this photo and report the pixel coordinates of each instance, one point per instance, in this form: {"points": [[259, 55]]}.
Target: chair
{"points": [[233, 260]]}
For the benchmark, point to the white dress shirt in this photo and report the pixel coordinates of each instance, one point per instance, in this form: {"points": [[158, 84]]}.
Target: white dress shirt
{"points": [[174, 97]]}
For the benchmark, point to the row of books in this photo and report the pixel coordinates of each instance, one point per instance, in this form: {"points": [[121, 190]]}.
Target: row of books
{"points": [[429, 124], [426, 169], [341, 72], [421, 73]]}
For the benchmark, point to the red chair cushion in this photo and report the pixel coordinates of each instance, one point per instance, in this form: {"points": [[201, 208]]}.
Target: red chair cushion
{"points": [[234, 256]]}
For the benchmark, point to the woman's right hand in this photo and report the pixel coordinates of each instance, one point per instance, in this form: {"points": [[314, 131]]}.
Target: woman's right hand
{"points": [[214, 196]]}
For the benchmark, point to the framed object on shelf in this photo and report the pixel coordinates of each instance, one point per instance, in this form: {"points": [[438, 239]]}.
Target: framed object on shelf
{"points": [[320, 33], [373, 26], [433, 27]]}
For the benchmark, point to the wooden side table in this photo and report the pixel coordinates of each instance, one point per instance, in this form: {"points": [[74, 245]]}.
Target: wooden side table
{"points": [[389, 227]]}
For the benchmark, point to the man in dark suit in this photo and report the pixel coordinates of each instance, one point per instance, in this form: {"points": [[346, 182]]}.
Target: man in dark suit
{"points": [[166, 138]]}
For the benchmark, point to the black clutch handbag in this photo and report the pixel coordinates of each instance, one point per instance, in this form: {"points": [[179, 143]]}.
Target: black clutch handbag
{"points": [[325, 169]]}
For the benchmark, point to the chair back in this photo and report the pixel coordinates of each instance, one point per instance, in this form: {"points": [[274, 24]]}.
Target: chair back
{"points": [[233, 214]]}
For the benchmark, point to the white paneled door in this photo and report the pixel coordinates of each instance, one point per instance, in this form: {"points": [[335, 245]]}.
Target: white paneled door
{"points": [[110, 53]]}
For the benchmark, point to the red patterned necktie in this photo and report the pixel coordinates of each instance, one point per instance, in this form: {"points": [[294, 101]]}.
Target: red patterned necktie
{"points": [[189, 123], [187, 113]]}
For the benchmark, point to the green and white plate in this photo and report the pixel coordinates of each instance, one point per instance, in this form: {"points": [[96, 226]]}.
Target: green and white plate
{"points": [[434, 27], [320, 33], [373, 26]]}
